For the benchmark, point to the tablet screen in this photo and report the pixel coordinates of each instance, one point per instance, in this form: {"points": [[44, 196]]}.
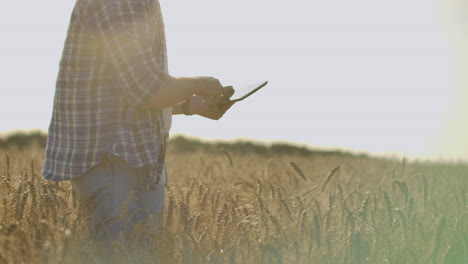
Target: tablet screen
{"points": [[242, 92]]}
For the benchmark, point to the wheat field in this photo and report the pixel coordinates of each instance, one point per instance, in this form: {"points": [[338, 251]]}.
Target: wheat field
{"points": [[243, 207]]}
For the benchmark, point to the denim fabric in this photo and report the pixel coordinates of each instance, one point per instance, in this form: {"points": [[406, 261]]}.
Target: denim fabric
{"points": [[118, 196]]}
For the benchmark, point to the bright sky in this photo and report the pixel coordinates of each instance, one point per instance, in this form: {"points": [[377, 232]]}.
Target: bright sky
{"points": [[375, 76]]}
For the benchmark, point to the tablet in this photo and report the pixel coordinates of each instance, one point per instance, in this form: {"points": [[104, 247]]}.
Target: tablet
{"points": [[242, 92]]}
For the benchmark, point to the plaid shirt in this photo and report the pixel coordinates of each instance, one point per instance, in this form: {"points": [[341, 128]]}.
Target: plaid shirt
{"points": [[113, 60]]}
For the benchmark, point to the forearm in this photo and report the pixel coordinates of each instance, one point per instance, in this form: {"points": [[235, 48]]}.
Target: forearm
{"points": [[172, 92], [177, 109]]}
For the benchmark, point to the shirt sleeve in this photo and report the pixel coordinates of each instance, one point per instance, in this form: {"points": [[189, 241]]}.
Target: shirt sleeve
{"points": [[123, 33]]}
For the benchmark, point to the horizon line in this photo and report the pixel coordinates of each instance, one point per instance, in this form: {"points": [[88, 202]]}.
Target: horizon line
{"points": [[394, 155]]}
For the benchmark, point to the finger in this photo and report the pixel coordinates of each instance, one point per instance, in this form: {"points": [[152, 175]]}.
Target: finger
{"points": [[228, 91], [219, 91], [211, 101], [201, 86], [215, 112], [217, 97], [213, 89], [224, 107]]}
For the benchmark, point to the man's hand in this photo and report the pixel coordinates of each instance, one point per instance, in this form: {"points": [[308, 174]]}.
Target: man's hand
{"points": [[199, 106], [209, 88], [205, 107], [176, 90]]}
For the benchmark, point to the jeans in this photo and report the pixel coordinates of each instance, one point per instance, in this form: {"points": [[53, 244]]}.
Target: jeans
{"points": [[117, 199]]}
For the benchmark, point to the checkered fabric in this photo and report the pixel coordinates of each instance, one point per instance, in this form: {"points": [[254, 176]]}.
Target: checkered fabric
{"points": [[114, 59]]}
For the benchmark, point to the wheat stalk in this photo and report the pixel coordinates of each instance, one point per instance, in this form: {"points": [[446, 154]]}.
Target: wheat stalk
{"points": [[329, 177]]}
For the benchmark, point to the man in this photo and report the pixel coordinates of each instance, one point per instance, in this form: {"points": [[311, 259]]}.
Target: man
{"points": [[112, 112]]}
